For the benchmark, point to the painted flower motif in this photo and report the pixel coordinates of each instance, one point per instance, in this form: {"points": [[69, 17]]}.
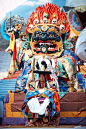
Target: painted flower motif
{"points": [[43, 49], [63, 61]]}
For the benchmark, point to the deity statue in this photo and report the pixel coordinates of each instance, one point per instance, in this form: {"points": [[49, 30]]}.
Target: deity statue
{"points": [[44, 50]]}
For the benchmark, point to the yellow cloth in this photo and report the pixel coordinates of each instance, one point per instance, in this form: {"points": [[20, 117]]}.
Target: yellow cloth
{"points": [[12, 41], [11, 97]]}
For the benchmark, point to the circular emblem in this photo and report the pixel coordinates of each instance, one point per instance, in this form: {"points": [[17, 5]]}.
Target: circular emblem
{"points": [[44, 49]]}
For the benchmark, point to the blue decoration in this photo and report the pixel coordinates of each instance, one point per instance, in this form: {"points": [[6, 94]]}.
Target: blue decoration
{"points": [[25, 44], [69, 52], [3, 31], [74, 20]]}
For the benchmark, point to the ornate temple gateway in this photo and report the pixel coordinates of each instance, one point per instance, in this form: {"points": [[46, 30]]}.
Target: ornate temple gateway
{"points": [[48, 91]]}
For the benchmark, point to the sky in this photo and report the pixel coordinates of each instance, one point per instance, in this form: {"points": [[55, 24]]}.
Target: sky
{"points": [[23, 7], [74, 3], [7, 5]]}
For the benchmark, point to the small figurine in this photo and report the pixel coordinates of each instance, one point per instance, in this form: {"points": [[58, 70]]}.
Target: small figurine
{"points": [[71, 86]]}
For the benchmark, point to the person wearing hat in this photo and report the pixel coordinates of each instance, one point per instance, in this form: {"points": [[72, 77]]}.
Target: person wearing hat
{"points": [[41, 98]]}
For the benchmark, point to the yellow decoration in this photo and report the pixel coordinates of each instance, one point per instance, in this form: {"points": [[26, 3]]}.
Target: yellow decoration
{"points": [[27, 54], [10, 91], [79, 89], [11, 97], [35, 16], [71, 87], [9, 113], [45, 15], [73, 32], [54, 16], [12, 42], [73, 114]]}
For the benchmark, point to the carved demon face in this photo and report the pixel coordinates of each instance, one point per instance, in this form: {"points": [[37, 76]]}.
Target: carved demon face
{"points": [[46, 39], [19, 26]]}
